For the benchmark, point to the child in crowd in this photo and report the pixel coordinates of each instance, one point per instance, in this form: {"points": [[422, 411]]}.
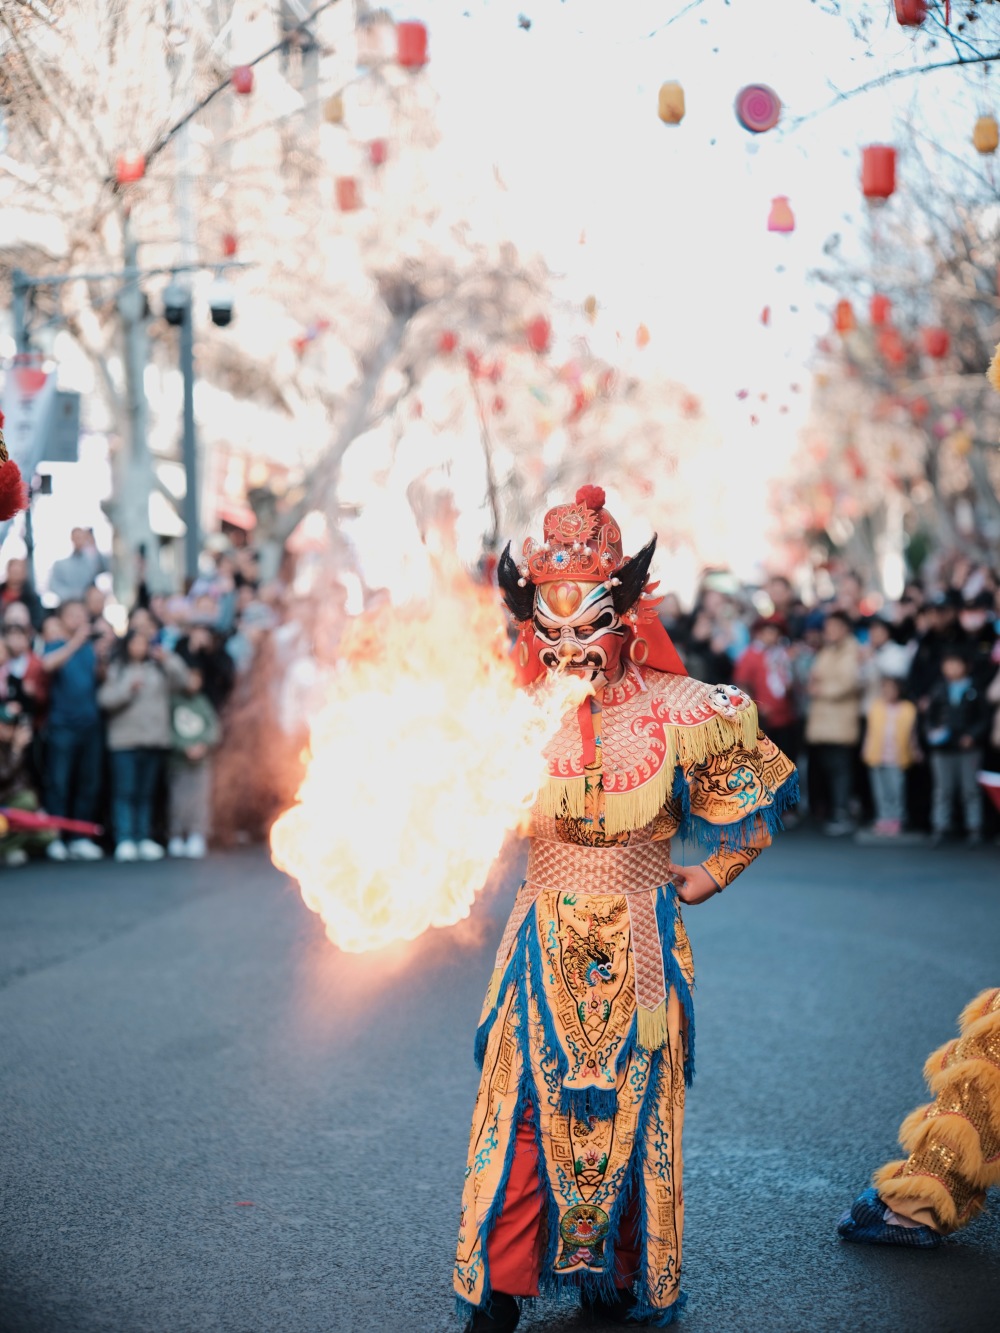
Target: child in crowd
{"points": [[196, 733], [957, 723], [137, 698], [890, 748]]}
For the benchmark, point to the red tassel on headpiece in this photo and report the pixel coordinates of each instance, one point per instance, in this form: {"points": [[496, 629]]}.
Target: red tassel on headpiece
{"points": [[13, 491]]}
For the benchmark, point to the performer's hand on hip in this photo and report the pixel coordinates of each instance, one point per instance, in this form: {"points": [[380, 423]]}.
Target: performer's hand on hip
{"points": [[693, 884]]}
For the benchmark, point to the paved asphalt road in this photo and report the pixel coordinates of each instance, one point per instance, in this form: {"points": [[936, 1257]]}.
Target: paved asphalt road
{"points": [[212, 1121]]}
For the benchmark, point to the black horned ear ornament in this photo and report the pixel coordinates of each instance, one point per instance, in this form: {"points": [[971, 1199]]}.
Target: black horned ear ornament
{"points": [[557, 579]]}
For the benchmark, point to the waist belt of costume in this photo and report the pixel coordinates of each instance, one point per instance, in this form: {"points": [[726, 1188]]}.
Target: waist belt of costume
{"points": [[634, 873]]}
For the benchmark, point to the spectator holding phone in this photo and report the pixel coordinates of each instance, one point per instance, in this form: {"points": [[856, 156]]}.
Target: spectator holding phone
{"points": [[74, 742], [136, 697]]}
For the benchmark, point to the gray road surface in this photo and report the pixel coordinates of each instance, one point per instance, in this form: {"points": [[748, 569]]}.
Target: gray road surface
{"points": [[213, 1122]]}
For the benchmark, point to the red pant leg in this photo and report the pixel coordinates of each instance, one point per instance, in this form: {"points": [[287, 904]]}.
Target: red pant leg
{"points": [[514, 1245], [628, 1251]]}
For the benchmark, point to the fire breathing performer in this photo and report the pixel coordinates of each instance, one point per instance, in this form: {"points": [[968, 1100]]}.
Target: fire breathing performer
{"points": [[586, 1039], [952, 1144]]}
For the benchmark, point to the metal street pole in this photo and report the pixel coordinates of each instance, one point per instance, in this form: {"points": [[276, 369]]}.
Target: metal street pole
{"points": [[21, 286], [192, 523]]}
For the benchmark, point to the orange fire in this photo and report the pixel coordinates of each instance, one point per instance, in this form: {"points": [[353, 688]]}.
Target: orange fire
{"points": [[425, 754]]}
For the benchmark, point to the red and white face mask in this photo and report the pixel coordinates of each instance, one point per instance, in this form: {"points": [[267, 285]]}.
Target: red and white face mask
{"points": [[578, 629]]}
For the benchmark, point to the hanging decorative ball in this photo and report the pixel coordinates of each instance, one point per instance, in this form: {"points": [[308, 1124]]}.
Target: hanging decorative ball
{"points": [[242, 79], [758, 108], [539, 334], [765, 316], [843, 317], [378, 151], [348, 195], [879, 311], [447, 342], [229, 244], [986, 135], [333, 110], [878, 171], [590, 307], [411, 45], [936, 341], [961, 442], [670, 106], [781, 218], [128, 170], [911, 13], [642, 336]]}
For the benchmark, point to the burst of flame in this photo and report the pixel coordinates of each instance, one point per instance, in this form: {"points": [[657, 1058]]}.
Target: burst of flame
{"points": [[424, 755]]}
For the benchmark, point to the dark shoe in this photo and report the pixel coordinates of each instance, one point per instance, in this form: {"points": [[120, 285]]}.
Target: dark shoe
{"points": [[974, 840], [500, 1314], [936, 840], [615, 1311], [866, 1223]]}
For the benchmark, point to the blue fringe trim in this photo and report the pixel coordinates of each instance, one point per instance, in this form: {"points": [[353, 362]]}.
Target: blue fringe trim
{"points": [[601, 1103], [656, 1318], [666, 924], [741, 833]]}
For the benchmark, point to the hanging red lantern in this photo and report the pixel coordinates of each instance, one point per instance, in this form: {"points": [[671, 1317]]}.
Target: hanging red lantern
{"points": [[843, 317], [878, 171], [781, 218], [911, 13], [642, 336], [378, 151], [128, 170], [447, 342], [879, 310], [539, 334], [919, 409], [936, 341], [242, 79], [765, 316], [411, 45], [348, 195], [229, 244], [892, 347]]}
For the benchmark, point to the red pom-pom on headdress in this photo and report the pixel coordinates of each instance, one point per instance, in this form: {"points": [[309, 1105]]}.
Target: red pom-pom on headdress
{"points": [[13, 491], [591, 496]]}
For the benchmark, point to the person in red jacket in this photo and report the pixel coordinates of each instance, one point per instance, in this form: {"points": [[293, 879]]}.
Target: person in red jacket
{"points": [[764, 671]]}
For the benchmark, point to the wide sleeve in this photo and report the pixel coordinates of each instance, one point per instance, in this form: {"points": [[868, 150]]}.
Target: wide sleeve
{"points": [[732, 803]]}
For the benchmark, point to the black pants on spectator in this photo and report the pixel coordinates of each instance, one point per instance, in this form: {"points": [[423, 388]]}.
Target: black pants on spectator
{"points": [[837, 763]]}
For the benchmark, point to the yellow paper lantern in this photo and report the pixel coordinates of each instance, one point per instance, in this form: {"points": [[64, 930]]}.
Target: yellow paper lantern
{"points": [[590, 306], [333, 112], [671, 104], [642, 336], [986, 135]]}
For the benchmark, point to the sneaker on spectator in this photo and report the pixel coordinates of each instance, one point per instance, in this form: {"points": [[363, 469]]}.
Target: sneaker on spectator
{"points": [[57, 850], [177, 847], [150, 850], [17, 857], [838, 828], [196, 847], [83, 849], [127, 851], [974, 840]]}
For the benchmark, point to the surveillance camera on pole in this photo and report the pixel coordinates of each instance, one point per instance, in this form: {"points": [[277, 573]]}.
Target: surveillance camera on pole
{"points": [[220, 302], [176, 300]]}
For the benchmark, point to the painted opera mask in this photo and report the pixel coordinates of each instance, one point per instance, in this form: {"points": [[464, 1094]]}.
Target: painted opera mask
{"points": [[578, 628]]}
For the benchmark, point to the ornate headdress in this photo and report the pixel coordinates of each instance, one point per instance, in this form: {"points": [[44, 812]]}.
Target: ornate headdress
{"points": [[583, 545]]}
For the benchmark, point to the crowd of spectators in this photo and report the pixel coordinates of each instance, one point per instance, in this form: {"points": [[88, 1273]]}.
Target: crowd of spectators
{"points": [[153, 730], [890, 709], [182, 721]]}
